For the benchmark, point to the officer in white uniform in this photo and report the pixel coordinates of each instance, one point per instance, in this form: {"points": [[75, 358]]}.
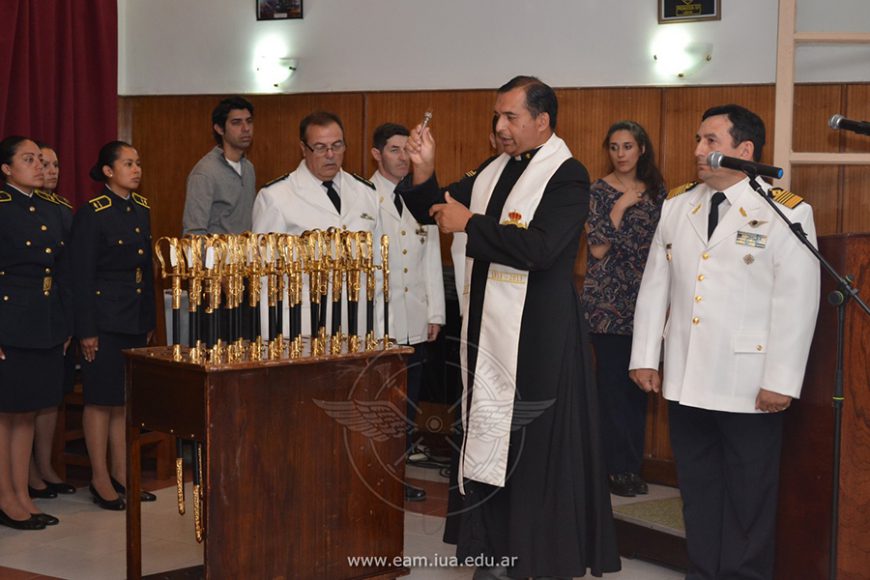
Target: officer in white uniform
{"points": [[735, 296], [417, 309], [319, 195]]}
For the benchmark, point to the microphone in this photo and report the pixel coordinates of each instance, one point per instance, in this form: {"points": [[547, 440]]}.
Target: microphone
{"points": [[750, 168], [842, 123]]}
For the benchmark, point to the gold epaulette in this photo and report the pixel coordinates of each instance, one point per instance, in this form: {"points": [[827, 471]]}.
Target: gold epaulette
{"points": [[682, 189], [5, 196], [44, 195], [362, 179], [276, 180], [101, 203], [786, 198], [62, 200], [141, 200], [471, 173]]}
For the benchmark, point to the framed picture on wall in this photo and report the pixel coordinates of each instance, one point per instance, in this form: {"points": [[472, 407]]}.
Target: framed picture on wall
{"points": [[278, 9], [689, 10]]}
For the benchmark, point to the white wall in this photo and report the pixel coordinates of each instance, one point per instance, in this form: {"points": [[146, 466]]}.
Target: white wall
{"points": [[209, 46]]}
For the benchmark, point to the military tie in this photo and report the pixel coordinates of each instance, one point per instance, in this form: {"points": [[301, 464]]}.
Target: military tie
{"points": [[398, 201], [333, 195], [713, 219]]}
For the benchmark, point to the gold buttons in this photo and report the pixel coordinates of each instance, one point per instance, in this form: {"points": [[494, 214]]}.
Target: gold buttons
{"points": [[128, 208], [700, 277], [48, 270], [5, 299], [406, 288], [43, 227], [138, 291], [406, 270], [403, 232], [696, 320], [705, 255], [48, 250], [27, 243], [137, 230], [759, 348], [31, 208], [47, 293], [141, 251], [404, 252], [120, 242], [98, 292], [698, 298]]}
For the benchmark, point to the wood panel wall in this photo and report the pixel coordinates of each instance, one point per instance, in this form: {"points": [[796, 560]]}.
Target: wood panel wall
{"points": [[173, 132]]}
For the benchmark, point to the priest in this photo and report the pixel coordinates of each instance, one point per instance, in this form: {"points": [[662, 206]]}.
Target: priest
{"points": [[531, 471]]}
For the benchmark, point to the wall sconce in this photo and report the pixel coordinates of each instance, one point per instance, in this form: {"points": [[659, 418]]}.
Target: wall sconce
{"points": [[676, 55], [274, 71]]}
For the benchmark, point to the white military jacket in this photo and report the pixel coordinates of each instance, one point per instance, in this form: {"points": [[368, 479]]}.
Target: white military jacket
{"points": [[416, 280], [736, 313], [298, 202]]}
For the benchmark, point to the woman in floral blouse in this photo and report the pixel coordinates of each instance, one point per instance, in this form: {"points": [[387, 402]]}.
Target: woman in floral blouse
{"points": [[624, 210]]}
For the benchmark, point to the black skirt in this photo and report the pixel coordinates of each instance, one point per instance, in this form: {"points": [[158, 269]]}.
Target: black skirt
{"points": [[103, 379], [31, 379]]}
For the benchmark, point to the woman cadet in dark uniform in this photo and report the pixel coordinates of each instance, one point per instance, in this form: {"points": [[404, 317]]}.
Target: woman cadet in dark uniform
{"points": [[44, 481], [114, 306], [34, 324]]}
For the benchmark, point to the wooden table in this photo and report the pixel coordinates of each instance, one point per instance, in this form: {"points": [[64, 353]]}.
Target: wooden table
{"points": [[291, 491]]}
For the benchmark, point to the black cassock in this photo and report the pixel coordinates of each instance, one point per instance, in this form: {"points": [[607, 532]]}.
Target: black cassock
{"points": [[553, 514]]}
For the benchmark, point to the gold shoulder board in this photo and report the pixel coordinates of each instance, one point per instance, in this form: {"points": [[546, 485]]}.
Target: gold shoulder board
{"points": [[363, 180], [62, 200], [5, 196], [682, 189], [141, 200], [46, 196], [471, 173], [276, 180], [786, 198], [101, 203]]}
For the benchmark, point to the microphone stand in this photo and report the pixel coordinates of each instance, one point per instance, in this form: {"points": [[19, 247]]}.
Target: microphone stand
{"points": [[839, 298]]}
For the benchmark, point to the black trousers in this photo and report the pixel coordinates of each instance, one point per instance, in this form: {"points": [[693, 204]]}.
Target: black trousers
{"points": [[621, 403], [728, 470]]}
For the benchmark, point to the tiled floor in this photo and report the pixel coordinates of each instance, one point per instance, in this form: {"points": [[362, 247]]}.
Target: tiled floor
{"points": [[89, 543]]}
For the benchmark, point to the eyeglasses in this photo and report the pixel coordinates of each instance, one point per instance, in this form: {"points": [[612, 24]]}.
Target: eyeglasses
{"points": [[320, 149]]}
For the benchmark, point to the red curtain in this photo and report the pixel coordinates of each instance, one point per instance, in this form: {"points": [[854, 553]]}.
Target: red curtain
{"points": [[59, 81]]}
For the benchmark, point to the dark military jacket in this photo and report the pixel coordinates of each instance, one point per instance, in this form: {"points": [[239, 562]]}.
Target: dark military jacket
{"points": [[35, 290], [112, 271]]}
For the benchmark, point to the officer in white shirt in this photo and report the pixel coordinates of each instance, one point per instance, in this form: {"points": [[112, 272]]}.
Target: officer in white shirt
{"points": [[735, 296], [417, 309], [318, 195]]}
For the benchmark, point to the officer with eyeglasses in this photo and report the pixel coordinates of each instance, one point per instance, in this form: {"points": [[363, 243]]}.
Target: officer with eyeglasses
{"points": [[319, 194]]}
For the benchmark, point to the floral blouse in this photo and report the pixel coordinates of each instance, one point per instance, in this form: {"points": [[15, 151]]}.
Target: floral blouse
{"points": [[612, 283]]}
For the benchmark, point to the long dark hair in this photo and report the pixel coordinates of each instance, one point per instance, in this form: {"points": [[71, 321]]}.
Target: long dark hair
{"points": [[109, 153], [647, 170]]}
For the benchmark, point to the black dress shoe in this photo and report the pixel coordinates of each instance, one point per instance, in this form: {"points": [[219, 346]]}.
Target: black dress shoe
{"points": [[621, 485], [61, 487], [46, 519], [414, 493], [143, 495], [28, 524], [114, 505], [44, 493], [638, 484]]}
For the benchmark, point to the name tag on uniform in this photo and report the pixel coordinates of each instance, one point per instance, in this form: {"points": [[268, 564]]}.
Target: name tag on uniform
{"points": [[751, 240]]}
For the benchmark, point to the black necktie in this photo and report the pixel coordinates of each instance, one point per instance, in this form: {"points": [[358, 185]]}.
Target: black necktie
{"points": [[333, 195], [398, 201], [713, 219]]}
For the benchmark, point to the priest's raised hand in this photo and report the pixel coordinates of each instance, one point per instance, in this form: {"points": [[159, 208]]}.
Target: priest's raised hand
{"points": [[420, 148]]}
